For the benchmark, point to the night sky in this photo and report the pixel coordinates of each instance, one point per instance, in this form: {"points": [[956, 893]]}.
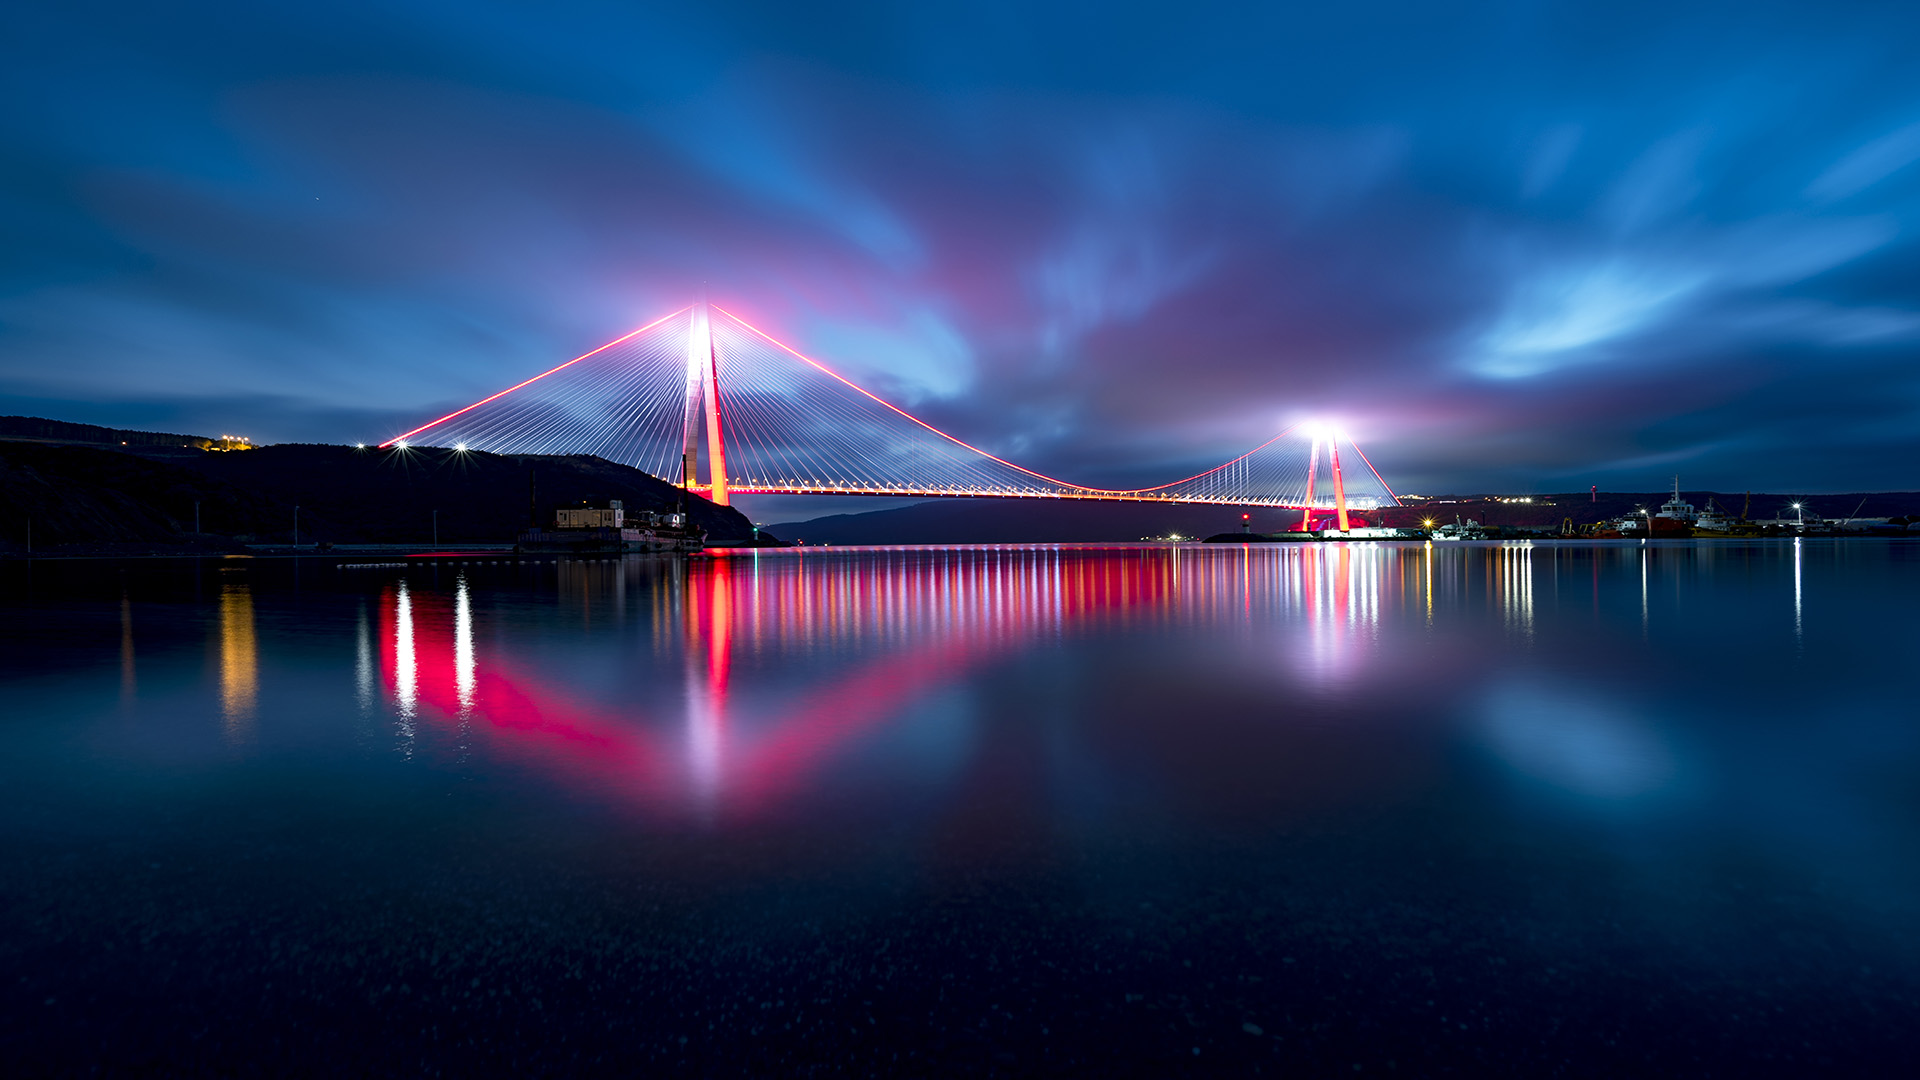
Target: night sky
{"points": [[1529, 247]]}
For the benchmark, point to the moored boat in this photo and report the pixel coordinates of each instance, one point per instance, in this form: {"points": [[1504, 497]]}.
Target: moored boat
{"points": [[1459, 530], [1675, 517]]}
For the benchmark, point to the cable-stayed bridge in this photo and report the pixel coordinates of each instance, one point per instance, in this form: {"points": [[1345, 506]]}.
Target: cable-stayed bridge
{"points": [[702, 391]]}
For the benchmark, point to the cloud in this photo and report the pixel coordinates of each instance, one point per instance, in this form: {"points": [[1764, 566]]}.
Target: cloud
{"points": [[1867, 165], [1551, 153], [1497, 261], [1560, 318], [1657, 185]]}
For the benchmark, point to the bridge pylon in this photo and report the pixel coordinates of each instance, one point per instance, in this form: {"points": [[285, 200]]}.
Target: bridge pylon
{"points": [[703, 410]]}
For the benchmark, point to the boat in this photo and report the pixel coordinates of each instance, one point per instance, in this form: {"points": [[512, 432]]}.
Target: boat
{"points": [[1675, 517], [1673, 521], [1713, 522], [1459, 530]]}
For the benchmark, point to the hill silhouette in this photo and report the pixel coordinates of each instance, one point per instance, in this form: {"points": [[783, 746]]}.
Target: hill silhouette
{"points": [[107, 497]]}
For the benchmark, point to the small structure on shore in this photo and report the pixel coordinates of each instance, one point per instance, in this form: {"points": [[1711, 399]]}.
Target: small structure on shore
{"points": [[610, 529]]}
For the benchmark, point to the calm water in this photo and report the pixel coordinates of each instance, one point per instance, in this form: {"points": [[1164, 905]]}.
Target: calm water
{"points": [[1467, 809]]}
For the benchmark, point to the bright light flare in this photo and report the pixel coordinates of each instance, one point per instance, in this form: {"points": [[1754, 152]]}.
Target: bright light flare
{"points": [[1325, 431]]}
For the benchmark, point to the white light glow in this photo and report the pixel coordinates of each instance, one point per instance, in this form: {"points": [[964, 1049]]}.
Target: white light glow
{"points": [[463, 673]]}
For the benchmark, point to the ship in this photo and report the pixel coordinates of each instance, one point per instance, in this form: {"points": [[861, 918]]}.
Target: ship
{"points": [[610, 530], [1714, 522], [1675, 518], [1459, 530]]}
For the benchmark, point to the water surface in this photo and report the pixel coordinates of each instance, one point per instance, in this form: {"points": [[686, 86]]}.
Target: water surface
{"points": [[1469, 809]]}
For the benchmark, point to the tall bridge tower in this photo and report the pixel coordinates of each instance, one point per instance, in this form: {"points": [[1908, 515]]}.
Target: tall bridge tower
{"points": [[703, 410]]}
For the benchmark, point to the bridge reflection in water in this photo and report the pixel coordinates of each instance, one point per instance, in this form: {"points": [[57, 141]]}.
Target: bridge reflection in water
{"points": [[721, 686]]}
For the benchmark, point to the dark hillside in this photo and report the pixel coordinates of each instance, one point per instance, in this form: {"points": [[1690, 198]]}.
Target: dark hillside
{"points": [[94, 497], [40, 429], [84, 495], [389, 496]]}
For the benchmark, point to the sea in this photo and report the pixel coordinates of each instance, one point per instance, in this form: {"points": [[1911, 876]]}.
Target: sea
{"points": [[1356, 809]]}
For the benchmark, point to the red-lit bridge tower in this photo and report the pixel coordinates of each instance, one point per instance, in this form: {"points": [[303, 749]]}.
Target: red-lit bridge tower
{"points": [[703, 409]]}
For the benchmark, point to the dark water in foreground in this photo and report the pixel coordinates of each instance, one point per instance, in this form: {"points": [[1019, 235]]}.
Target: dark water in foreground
{"points": [[1467, 809]]}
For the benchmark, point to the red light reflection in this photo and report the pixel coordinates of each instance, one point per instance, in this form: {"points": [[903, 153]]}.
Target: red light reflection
{"points": [[912, 621]]}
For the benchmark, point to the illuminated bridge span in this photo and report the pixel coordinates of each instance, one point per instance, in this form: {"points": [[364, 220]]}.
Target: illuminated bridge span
{"points": [[702, 388]]}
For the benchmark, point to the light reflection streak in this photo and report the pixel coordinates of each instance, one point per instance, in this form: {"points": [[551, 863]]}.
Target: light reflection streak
{"points": [[463, 642], [406, 671], [1516, 587], [710, 624], [1798, 640], [239, 662], [463, 673], [128, 684], [915, 622], [1644, 618], [1426, 574], [363, 664]]}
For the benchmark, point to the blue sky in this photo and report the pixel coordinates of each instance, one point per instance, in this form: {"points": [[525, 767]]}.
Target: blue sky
{"points": [[1510, 246]]}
